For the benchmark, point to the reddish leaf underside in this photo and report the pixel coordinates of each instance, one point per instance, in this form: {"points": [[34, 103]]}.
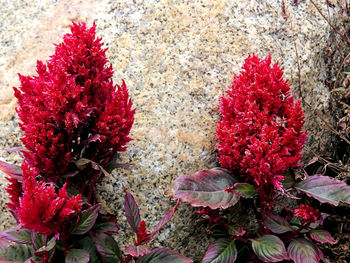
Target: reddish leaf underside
{"points": [[11, 170], [269, 248], [303, 251], [325, 189], [165, 219], [222, 250], [322, 236], [206, 188], [137, 251], [132, 211]]}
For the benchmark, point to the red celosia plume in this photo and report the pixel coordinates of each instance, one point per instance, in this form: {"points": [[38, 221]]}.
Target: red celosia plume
{"points": [[41, 208], [260, 132], [71, 100]]}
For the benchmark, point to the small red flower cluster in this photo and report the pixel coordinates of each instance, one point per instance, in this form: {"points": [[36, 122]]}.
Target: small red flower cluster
{"points": [[70, 110], [71, 102], [260, 132], [307, 213], [41, 208]]}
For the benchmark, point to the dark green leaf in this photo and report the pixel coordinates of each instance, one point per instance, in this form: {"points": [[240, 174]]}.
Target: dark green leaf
{"points": [[21, 236], [244, 189], [86, 221], [77, 256], [47, 248], [87, 244], [16, 253], [107, 248], [106, 227]]}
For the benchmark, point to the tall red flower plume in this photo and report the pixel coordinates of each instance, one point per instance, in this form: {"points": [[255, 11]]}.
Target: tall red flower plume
{"points": [[71, 100], [41, 208], [260, 132]]}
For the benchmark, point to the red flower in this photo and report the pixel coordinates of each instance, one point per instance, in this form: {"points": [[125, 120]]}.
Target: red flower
{"points": [[307, 213], [41, 208], [14, 190], [260, 132], [71, 100]]}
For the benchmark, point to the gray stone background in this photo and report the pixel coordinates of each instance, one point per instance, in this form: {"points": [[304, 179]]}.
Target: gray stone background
{"points": [[177, 58]]}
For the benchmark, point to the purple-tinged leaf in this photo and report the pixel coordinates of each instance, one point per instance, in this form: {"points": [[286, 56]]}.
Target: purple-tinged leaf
{"points": [[269, 248], [94, 138], [235, 230], [106, 227], [86, 221], [106, 247], [303, 251], [132, 211], [162, 255], [276, 223], [243, 189], [322, 236], [137, 251], [38, 240], [325, 189], [21, 236], [88, 245], [206, 188], [16, 253], [222, 250], [70, 174], [322, 257], [46, 248], [164, 220], [12, 170], [15, 149], [77, 256]]}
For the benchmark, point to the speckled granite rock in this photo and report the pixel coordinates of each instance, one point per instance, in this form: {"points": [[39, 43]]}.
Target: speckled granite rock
{"points": [[177, 58]]}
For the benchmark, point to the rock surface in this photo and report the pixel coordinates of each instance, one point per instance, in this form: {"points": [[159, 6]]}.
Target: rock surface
{"points": [[177, 58]]}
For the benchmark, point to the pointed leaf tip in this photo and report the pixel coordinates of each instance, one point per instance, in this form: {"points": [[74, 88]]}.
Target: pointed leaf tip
{"points": [[132, 211]]}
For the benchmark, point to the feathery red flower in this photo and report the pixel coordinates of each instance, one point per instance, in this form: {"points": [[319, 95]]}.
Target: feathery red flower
{"points": [[260, 132], [307, 213], [14, 190], [71, 100], [41, 208]]}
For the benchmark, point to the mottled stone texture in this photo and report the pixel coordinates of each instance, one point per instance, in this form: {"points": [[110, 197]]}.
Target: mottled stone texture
{"points": [[177, 58]]}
